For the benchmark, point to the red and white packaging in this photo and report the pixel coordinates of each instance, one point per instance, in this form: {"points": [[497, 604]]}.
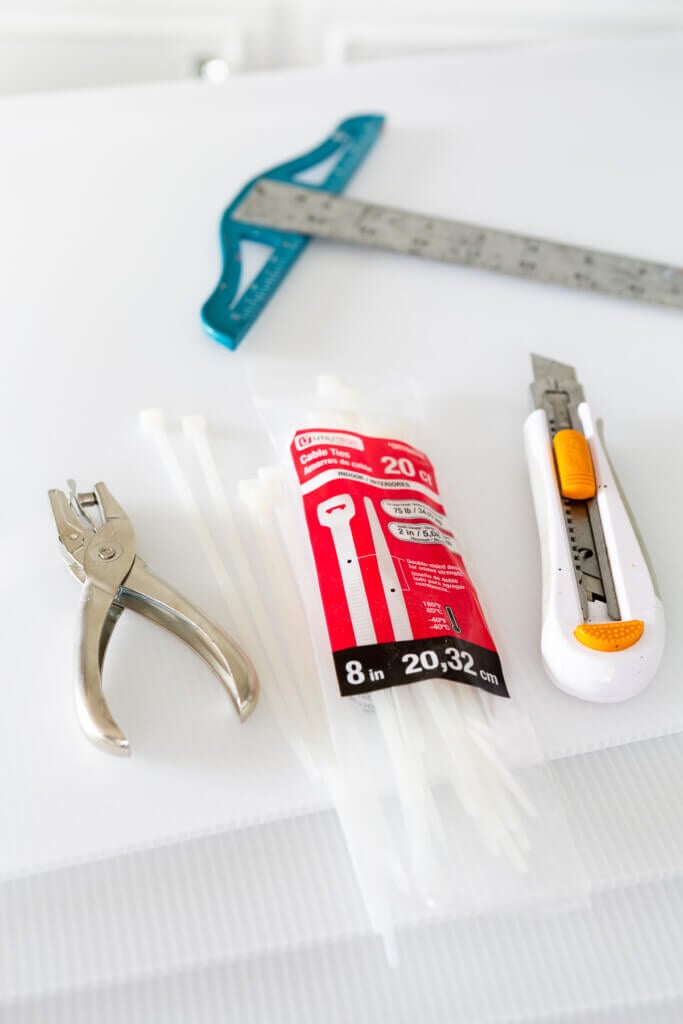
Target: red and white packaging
{"points": [[441, 790], [398, 602]]}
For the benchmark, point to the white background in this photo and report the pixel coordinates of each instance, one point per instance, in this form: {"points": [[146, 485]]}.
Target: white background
{"points": [[106, 261], [108, 248]]}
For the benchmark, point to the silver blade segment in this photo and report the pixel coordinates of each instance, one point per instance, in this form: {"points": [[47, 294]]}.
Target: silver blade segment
{"points": [[309, 211], [556, 389]]}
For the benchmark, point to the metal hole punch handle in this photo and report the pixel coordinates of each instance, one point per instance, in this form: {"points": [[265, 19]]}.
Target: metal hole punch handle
{"points": [[100, 551], [98, 618], [150, 596]]}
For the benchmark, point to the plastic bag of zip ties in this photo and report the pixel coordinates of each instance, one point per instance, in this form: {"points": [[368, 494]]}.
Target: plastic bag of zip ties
{"points": [[442, 794]]}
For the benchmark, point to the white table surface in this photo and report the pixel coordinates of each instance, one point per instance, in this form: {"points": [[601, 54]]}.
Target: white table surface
{"points": [[108, 247]]}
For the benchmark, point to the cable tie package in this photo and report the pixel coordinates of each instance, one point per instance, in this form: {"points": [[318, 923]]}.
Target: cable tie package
{"points": [[436, 775], [398, 602], [347, 585]]}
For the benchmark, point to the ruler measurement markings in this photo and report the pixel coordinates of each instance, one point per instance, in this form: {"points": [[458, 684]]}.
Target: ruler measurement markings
{"points": [[313, 212]]}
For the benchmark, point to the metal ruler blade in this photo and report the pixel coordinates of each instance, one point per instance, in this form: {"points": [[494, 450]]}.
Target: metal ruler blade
{"points": [[317, 213]]}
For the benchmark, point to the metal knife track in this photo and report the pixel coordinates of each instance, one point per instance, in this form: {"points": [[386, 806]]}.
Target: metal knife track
{"points": [[305, 211], [559, 393], [587, 545]]}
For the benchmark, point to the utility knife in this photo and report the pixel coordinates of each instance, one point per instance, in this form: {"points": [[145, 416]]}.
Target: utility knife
{"points": [[603, 627]]}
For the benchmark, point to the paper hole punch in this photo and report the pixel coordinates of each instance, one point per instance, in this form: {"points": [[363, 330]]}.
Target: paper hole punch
{"points": [[99, 546]]}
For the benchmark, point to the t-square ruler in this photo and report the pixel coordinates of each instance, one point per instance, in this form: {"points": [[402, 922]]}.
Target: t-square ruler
{"points": [[277, 210]]}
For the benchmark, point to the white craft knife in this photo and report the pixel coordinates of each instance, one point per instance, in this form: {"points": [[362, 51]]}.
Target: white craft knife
{"points": [[603, 623]]}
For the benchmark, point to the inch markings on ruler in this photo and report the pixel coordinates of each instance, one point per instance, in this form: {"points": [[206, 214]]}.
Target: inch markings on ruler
{"points": [[314, 212]]}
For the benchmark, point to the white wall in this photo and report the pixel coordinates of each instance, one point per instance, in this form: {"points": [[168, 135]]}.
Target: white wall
{"points": [[67, 43]]}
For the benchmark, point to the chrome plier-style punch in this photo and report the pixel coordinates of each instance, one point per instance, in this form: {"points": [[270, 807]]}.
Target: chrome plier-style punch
{"points": [[99, 546]]}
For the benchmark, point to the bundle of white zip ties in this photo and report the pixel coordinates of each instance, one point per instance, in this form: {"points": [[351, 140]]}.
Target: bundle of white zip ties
{"points": [[337, 738], [293, 693]]}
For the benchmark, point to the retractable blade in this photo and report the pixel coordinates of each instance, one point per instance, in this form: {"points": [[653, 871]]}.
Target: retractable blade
{"points": [[555, 389], [603, 623]]}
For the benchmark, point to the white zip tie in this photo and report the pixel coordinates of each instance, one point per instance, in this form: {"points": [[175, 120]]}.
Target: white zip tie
{"points": [[372, 854], [283, 530], [477, 786], [492, 811], [393, 714], [478, 728], [293, 629], [412, 788], [505, 774], [153, 422], [423, 816], [288, 705], [366, 841]]}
